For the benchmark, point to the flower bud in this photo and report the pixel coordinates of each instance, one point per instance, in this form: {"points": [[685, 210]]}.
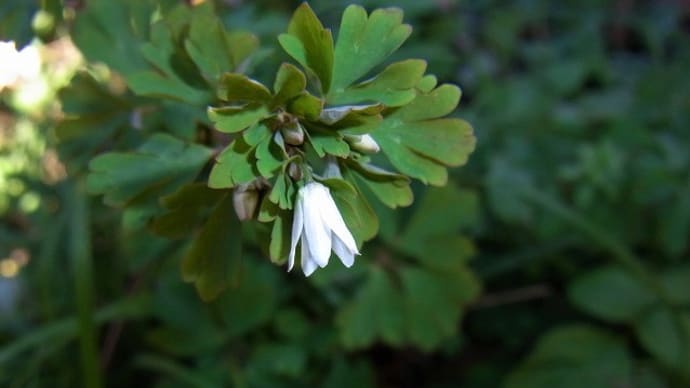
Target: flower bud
{"points": [[245, 200], [294, 171], [363, 143], [293, 133]]}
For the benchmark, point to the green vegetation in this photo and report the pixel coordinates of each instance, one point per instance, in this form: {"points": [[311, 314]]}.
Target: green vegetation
{"points": [[556, 255]]}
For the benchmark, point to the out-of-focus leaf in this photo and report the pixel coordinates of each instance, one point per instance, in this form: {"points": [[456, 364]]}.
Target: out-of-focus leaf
{"points": [[432, 234], [163, 163], [574, 356], [93, 116], [213, 49], [112, 31], [666, 335], [376, 312], [187, 208], [175, 76], [612, 294], [213, 262], [423, 310]]}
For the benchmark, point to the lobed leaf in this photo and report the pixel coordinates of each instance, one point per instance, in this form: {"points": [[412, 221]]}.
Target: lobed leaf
{"points": [[392, 189], [234, 87], [163, 161], [231, 119], [213, 262], [394, 86], [310, 44], [418, 142], [364, 42]]}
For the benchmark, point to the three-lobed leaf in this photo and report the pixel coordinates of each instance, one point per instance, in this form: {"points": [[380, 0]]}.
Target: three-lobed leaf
{"points": [[364, 41]]}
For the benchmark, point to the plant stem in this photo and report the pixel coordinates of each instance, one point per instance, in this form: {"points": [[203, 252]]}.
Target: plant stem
{"points": [[80, 253], [66, 328]]}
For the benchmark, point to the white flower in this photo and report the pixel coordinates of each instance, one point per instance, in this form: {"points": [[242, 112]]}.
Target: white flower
{"points": [[319, 227], [15, 66], [363, 143]]}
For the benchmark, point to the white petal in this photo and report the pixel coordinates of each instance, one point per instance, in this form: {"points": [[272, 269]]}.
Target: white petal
{"points": [[297, 225], [317, 234], [332, 217], [308, 264], [346, 255]]}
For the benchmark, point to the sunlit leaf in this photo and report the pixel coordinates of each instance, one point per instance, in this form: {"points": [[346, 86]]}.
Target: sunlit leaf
{"points": [[364, 41]]}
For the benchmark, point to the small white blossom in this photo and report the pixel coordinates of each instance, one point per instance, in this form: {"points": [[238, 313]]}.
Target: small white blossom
{"points": [[319, 227], [16, 66], [364, 143]]}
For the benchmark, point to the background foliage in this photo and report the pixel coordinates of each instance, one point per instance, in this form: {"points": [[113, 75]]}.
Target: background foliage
{"points": [[559, 256]]}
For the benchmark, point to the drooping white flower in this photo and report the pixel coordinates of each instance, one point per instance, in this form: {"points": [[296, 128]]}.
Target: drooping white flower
{"points": [[319, 227]]}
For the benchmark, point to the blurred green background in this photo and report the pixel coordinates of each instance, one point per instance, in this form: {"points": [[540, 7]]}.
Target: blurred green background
{"points": [[558, 257]]}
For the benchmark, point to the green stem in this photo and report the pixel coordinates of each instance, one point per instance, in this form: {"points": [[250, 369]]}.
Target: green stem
{"points": [[80, 253], [67, 328], [619, 252]]}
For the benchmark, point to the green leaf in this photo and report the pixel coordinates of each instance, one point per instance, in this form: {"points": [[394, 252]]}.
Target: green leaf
{"points": [[666, 335], [235, 87], [279, 247], [112, 31], [392, 189], [329, 143], [187, 208], [254, 302], [162, 161], [230, 119], [376, 312], [175, 75], [235, 165], [283, 192], [439, 216], [88, 104], [306, 105], [310, 44], [611, 293], [418, 142], [213, 49], [394, 86], [290, 82], [280, 359], [574, 357], [364, 42], [416, 307], [213, 262], [269, 156], [431, 303], [676, 282]]}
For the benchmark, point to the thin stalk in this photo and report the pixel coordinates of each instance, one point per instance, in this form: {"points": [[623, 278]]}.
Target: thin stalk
{"points": [[619, 252], [68, 328], [80, 253]]}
